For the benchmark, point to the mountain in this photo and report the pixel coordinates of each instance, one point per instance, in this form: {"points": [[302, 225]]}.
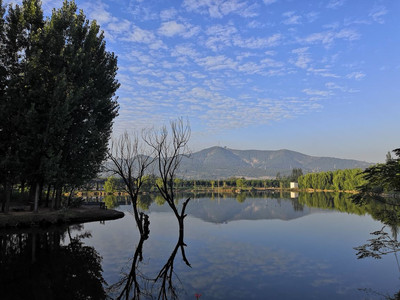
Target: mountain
{"points": [[218, 162]]}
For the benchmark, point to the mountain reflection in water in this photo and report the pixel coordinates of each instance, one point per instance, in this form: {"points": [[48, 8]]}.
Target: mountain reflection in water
{"points": [[257, 246]]}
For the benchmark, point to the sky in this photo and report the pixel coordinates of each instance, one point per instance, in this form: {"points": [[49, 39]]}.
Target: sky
{"points": [[321, 77]]}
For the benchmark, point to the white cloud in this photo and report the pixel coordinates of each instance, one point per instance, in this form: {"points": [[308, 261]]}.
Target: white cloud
{"points": [[303, 57], [356, 75], [334, 4], [291, 18], [168, 14], [268, 2], [327, 38], [377, 14], [269, 62], [171, 28], [256, 43], [220, 8], [139, 35], [312, 92], [119, 27], [255, 24], [185, 50], [335, 86], [98, 11], [212, 63]]}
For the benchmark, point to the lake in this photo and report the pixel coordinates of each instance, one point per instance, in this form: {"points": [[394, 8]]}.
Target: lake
{"points": [[260, 246]]}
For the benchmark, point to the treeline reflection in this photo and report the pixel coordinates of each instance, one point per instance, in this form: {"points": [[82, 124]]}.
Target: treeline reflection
{"points": [[384, 210], [49, 265]]}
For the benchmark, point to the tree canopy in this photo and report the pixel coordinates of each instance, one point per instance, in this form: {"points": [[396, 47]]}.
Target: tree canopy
{"points": [[57, 87], [383, 177]]}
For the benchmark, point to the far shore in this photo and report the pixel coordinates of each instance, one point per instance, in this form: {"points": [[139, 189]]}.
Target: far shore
{"points": [[46, 217]]}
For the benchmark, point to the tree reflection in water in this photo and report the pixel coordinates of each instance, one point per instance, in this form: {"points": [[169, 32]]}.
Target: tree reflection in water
{"points": [[129, 285], [388, 212], [37, 265], [134, 284]]}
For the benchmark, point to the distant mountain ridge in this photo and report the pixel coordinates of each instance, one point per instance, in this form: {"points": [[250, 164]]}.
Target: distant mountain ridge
{"points": [[218, 162]]}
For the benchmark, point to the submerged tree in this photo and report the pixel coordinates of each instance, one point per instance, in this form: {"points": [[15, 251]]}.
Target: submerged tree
{"points": [[129, 161], [170, 146]]}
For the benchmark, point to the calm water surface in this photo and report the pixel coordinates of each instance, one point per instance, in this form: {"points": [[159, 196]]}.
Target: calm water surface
{"points": [[239, 248]]}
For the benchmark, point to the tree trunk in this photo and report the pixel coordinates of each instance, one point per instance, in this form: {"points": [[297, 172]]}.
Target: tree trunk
{"points": [[70, 196], [23, 190], [31, 193], [58, 198], [41, 192], [36, 203], [53, 197], [6, 202], [46, 204]]}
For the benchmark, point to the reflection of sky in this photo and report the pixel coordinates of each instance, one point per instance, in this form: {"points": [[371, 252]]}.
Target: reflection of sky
{"points": [[305, 258]]}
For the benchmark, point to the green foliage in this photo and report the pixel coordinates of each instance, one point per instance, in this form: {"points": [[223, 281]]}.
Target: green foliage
{"points": [[339, 180], [386, 176], [241, 197], [384, 210], [111, 201], [144, 202], [111, 185], [241, 183], [57, 85], [296, 173]]}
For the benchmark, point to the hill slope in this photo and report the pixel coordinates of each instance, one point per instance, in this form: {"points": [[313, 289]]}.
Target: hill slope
{"points": [[218, 162]]}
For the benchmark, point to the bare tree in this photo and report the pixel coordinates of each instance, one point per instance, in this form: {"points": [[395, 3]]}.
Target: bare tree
{"points": [[130, 161], [170, 146]]}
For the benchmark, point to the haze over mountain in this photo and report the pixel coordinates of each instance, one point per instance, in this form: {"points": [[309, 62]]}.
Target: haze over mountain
{"points": [[218, 162]]}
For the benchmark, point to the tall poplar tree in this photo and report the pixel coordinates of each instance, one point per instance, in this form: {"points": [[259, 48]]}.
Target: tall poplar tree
{"points": [[59, 101]]}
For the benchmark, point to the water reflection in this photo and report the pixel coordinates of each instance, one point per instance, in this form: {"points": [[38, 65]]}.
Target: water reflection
{"points": [[386, 210], [305, 258], [40, 265], [135, 283]]}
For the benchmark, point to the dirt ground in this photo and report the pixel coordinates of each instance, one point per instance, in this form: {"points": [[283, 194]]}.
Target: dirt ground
{"points": [[46, 217]]}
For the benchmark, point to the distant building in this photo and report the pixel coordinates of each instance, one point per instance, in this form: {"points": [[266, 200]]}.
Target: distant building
{"points": [[294, 185]]}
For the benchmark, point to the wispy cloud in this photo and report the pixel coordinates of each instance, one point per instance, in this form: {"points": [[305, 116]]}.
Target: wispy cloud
{"points": [[171, 28], [334, 4], [356, 75], [327, 38], [303, 58], [377, 14], [313, 92], [220, 8], [268, 2], [291, 18]]}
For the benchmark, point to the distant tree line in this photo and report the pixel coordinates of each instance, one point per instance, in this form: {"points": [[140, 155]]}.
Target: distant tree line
{"points": [[57, 87], [339, 180], [113, 184]]}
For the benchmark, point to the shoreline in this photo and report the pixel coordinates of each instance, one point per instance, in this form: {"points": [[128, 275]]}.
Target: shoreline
{"points": [[46, 217]]}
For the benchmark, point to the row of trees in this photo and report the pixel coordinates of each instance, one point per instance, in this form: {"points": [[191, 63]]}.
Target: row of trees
{"points": [[339, 180], [382, 177], [113, 184], [57, 87]]}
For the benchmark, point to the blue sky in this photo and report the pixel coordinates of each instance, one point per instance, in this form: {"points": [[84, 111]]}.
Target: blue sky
{"points": [[319, 77]]}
